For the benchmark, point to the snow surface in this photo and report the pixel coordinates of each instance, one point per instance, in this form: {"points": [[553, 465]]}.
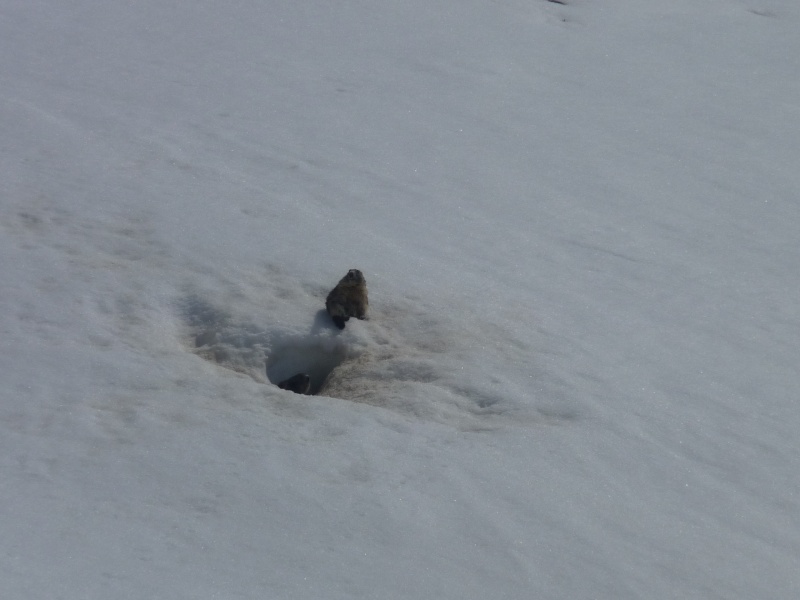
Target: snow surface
{"points": [[579, 227]]}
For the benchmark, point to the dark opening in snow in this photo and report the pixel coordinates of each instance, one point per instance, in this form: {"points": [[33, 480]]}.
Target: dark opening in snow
{"points": [[304, 356]]}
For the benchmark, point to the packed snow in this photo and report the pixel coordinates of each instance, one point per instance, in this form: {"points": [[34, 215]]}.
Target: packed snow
{"points": [[578, 222]]}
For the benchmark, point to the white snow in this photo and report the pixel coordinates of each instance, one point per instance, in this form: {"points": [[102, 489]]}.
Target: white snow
{"points": [[579, 227]]}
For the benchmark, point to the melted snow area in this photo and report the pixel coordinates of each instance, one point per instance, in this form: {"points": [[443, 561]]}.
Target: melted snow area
{"points": [[578, 223]]}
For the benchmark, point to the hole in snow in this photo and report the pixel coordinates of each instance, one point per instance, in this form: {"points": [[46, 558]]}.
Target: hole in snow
{"points": [[400, 366], [265, 354], [315, 358]]}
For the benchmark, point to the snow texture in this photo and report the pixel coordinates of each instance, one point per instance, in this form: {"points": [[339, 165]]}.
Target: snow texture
{"points": [[578, 222]]}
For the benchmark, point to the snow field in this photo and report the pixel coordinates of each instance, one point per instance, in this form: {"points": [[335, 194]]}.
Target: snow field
{"points": [[578, 227]]}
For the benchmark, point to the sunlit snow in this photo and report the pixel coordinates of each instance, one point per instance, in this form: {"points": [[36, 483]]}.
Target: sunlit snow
{"points": [[579, 226]]}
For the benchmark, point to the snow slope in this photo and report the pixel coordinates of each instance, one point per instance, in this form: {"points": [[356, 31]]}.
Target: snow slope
{"points": [[578, 223]]}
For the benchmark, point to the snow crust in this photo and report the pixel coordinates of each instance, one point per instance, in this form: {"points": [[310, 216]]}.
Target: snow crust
{"points": [[578, 223]]}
